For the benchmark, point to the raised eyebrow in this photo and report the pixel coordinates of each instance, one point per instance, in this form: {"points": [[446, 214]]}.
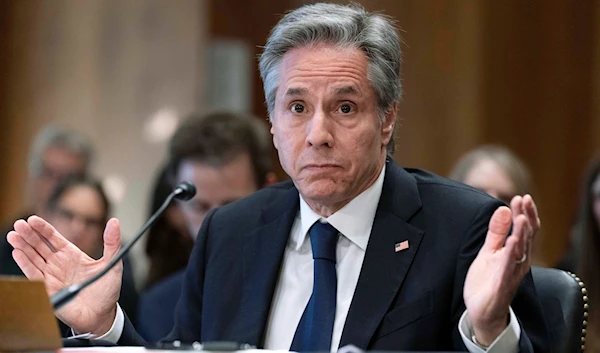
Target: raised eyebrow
{"points": [[296, 91], [346, 90]]}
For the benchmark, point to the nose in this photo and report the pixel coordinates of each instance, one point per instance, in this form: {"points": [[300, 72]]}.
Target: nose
{"points": [[319, 130]]}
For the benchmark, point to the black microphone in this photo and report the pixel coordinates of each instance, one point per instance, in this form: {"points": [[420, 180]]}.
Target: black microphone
{"points": [[184, 191]]}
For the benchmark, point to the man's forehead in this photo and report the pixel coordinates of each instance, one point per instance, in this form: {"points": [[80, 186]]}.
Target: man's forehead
{"points": [[229, 173], [62, 151], [324, 59], [344, 70], [64, 158]]}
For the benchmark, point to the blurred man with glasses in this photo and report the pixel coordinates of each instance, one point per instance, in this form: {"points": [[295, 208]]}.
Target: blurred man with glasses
{"points": [[55, 155]]}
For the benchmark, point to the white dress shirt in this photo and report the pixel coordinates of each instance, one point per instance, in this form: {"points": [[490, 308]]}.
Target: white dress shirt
{"points": [[294, 287]]}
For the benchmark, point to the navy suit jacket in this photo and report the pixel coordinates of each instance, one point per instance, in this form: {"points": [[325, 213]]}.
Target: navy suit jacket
{"points": [[407, 300], [156, 307]]}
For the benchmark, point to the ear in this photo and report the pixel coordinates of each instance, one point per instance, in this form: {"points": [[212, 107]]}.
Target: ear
{"points": [[272, 130], [387, 128]]}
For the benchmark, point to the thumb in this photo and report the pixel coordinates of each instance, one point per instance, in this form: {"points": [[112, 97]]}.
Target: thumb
{"points": [[498, 228], [112, 238]]}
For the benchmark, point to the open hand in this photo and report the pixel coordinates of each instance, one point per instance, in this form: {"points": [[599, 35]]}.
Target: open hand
{"points": [[44, 254], [498, 269]]}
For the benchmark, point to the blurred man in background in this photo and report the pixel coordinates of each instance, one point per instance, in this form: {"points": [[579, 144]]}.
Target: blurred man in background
{"points": [[228, 157], [55, 155]]}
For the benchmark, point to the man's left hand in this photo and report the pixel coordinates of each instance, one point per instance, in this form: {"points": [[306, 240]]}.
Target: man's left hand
{"points": [[498, 269]]}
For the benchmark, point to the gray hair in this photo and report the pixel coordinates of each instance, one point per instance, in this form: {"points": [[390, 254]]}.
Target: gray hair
{"points": [[344, 26], [54, 136]]}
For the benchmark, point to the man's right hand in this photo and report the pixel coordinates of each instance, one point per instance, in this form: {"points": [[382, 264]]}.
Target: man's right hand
{"points": [[44, 254]]}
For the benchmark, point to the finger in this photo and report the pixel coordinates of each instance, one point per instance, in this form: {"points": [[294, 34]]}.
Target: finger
{"points": [[512, 247], [519, 237], [498, 229], [19, 243], [29, 269], [31, 237], [528, 243], [48, 232], [516, 206], [112, 238], [532, 213]]}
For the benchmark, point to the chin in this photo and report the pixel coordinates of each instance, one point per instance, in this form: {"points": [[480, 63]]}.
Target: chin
{"points": [[320, 190]]}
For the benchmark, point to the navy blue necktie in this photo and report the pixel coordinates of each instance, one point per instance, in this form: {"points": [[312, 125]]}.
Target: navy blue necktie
{"points": [[316, 325]]}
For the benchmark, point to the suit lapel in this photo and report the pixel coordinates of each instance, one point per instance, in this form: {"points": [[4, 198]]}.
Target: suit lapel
{"points": [[383, 270], [263, 253]]}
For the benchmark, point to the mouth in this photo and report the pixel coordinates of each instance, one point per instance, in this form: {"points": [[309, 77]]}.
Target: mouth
{"points": [[317, 167]]}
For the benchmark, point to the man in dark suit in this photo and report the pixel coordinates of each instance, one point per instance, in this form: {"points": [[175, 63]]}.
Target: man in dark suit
{"points": [[228, 157], [355, 249]]}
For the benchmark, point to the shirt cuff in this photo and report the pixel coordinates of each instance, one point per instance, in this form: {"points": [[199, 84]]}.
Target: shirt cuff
{"points": [[507, 341], [114, 333]]}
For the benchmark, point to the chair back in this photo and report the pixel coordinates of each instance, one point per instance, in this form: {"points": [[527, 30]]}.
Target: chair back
{"points": [[565, 303]]}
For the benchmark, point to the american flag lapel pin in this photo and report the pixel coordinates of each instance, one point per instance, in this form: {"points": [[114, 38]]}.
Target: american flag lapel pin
{"points": [[403, 245]]}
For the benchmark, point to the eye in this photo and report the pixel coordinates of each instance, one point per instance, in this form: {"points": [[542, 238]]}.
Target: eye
{"points": [[66, 214], [297, 108], [345, 108]]}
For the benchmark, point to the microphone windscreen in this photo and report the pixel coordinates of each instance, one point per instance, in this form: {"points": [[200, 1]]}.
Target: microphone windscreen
{"points": [[186, 189]]}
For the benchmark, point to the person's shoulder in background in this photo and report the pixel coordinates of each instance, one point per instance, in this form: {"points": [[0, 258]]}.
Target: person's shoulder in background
{"points": [[156, 307]]}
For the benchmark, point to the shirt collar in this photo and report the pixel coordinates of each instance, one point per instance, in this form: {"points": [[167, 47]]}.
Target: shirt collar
{"points": [[354, 220]]}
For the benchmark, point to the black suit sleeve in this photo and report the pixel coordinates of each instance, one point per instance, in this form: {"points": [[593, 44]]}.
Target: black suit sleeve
{"points": [[129, 336]]}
